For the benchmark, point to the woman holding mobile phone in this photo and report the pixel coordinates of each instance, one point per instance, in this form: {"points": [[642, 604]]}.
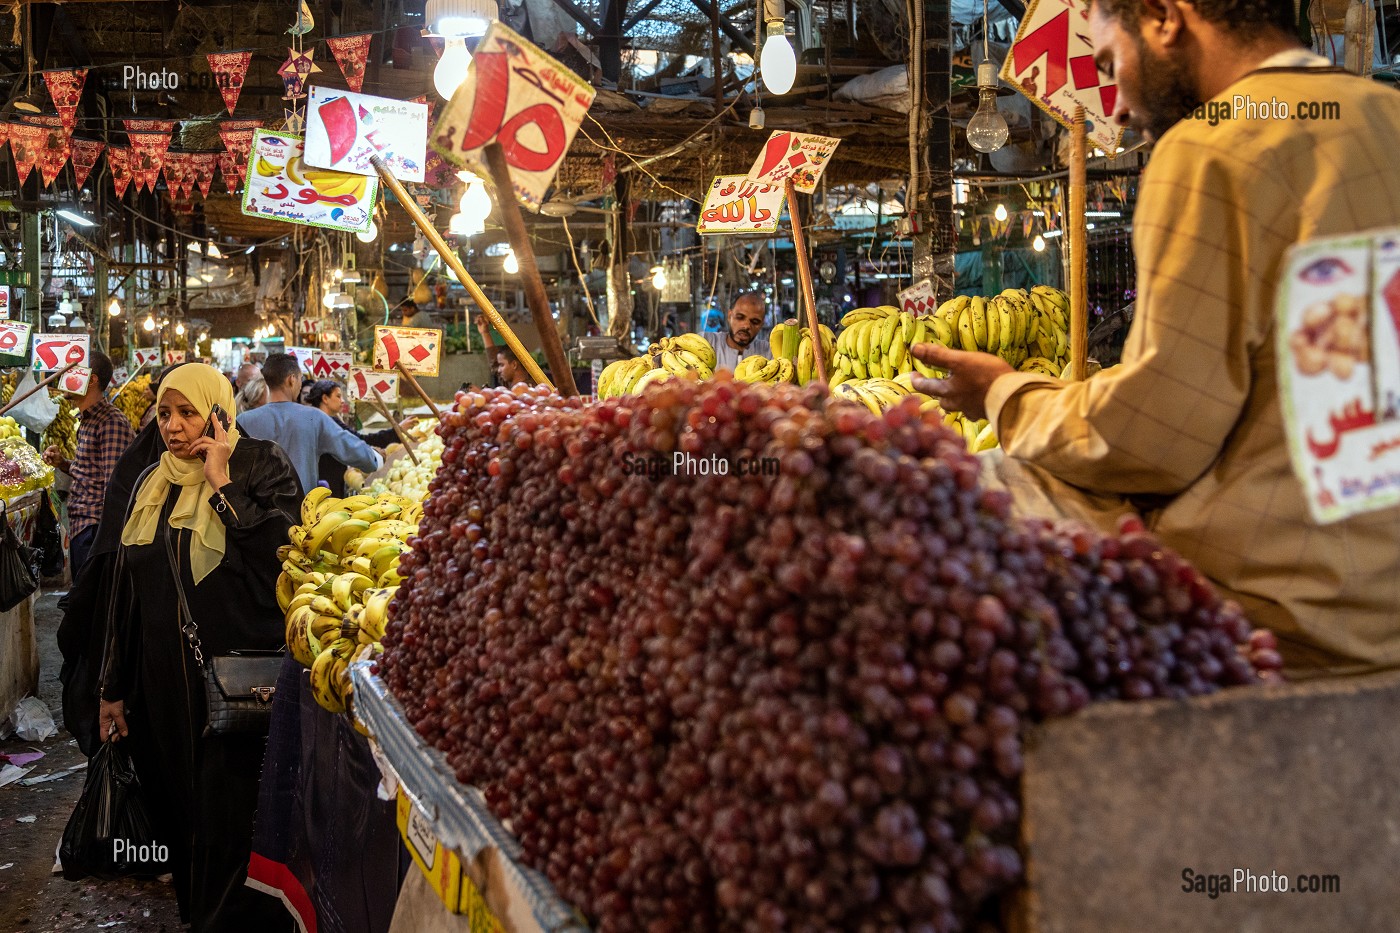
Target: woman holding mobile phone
{"points": [[213, 510]]}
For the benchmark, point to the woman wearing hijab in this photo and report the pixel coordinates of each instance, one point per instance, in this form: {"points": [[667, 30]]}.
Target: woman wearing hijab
{"points": [[224, 504]]}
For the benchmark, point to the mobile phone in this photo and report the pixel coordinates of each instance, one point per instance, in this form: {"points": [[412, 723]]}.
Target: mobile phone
{"points": [[215, 411]]}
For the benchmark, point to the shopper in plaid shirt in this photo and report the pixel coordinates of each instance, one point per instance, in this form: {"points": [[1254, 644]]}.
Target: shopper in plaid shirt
{"points": [[103, 434]]}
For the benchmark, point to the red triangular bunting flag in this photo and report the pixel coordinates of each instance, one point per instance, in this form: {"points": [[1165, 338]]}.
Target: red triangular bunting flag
{"points": [[26, 140], [55, 146], [229, 69], [202, 165], [84, 156], [66, 89], [119, 164], [351, 53], [149, 141]]}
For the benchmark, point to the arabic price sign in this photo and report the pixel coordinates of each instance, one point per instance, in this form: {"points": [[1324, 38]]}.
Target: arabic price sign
{"points": [[330, 364], [147, 356], [14, 337], [344, 130], [918, 299], [417, 349], [304, 356], [799, 156], [173, 357], [75, 381], [4, 302], [55, 351], [1338, 326], [1052, 63], [120, 375], [280, 186], [736, 205], [518, 96], [363, 382]]}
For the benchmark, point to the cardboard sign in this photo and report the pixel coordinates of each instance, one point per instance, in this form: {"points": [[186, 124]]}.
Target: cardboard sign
{"points": [[14, 338], [121, 376], [918, 299], [799, 156], [4, 302], [1338, 326], [330, 364], [75, 381], [172, 357], [280, 187], [344, 130], [304, 356], [55, 351], [517, 95], [147, 356], [363, 382], [418, 349], [1052, 63], [736, 205]]}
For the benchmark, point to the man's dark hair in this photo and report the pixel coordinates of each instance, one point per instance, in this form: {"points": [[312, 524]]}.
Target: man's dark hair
{"points": [[1241, 17], [750, 296], [101, 366], [278, 368]]}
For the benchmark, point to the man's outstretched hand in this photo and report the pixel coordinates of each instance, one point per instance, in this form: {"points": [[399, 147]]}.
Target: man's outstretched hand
{"points": [[970, 375]]}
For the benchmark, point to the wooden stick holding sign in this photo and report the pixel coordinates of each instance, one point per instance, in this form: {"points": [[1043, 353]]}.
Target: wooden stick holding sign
{"points": [[449, 257], [130, 379], [804, 274], [383, 409], [43, 384], [413, 384], [1078, 250], [529, 271]]}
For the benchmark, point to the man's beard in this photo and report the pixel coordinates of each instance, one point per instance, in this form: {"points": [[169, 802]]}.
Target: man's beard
{"points": [[1165, 93], [743, 344]]}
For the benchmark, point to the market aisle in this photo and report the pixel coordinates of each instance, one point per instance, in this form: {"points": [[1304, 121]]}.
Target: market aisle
{"points": [[32, 899]]}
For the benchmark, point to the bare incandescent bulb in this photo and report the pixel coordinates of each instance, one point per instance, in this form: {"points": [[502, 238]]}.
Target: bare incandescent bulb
{"points": [[987, 130], [777, 62]]}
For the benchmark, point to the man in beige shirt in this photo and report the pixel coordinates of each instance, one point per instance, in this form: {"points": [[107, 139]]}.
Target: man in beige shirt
{"points": [[1188, 429]]}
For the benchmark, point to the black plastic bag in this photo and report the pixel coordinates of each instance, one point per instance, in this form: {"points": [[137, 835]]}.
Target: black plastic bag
{"points": [[18, 576], [110, 832]]}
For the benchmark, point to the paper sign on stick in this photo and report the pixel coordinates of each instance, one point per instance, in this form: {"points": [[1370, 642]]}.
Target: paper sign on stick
{"points": [[417, 348], [363, 382], [4, 302], [14, 338], [344, 129], [304, 357], [280, 186], [147, 356], [736, 205], [330, 364], [55, 351], [799, 156], [1338, 332], [173, 357], [1052, 63], [75, 381], [918, 298], [517, 95]]}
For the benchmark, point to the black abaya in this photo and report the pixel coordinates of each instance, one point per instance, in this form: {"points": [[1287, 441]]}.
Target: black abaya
{"points": [[206, 787]]}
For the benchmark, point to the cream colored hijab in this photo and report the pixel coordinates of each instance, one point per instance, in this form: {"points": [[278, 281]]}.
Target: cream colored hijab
{"points": [[205, 387]]}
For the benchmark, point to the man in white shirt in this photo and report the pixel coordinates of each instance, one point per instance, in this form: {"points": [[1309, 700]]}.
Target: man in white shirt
{"points": [[745, 319]]}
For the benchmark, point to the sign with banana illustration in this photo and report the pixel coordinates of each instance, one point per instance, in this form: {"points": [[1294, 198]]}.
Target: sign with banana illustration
{"points": [[344, 130], [1338, 333], [734, 204], [280, 186], [364, 383], [518, 96], [799, 156], [55, 351], [416, 349]]}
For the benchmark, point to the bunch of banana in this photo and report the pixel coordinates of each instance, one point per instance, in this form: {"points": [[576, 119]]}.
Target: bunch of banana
{"points": [[678, 356], [8, 381], [617, 378], [1019, 326], [132, 399], [875, 344], [330, 674], [879, 394], [978, 435], [62, 432], [328, 183], [792, 342], [761, 369]]}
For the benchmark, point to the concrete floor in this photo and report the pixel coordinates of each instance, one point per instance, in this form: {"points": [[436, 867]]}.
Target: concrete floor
{"points": [[32, 898]]}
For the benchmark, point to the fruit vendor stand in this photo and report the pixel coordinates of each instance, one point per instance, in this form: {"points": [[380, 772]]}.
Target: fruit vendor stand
{"points": [[24, 482]]}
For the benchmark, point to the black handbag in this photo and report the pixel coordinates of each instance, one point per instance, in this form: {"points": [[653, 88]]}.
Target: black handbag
{"points": [[18, 573], [238, 686]]}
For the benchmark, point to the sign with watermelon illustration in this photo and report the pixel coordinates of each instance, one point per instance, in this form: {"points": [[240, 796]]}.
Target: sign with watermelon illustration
{"points": [[799, 156], [344, 130], [416, 349], [280, 186]]}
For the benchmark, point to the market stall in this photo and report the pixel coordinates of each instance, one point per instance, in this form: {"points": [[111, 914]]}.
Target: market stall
{"points": [[24, 482]]}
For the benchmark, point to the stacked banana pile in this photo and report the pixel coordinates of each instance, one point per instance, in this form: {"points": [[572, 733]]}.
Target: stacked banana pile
{"points": [[62, 432], [338, 574], [8, 381], [880, 393], [1030, 330], [875, 342], [132, 399], [669, 356]]}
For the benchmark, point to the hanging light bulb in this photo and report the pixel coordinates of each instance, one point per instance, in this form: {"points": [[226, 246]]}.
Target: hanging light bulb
{"points": [[369, 234], [180, 329], [451, 68], [115, 308], [987, 130], [475, 203], [511, 264], [1038, 244], [213, 252], [777, 62], [658, 278], [460, 224], [328, 299], [1000, 213], [149, 324]]}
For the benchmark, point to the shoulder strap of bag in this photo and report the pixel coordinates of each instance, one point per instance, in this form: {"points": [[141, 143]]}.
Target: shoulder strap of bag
{"points": [[188, 626]]}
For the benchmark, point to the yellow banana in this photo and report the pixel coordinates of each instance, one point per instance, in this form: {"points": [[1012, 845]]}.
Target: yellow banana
{"points": [[978, 310], [308, 504]]}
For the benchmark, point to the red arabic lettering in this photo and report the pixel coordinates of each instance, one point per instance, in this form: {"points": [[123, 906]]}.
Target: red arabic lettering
{"points": [[728, 189], [1385, 447], [529, 75], [758, 214], [1351, 418]]}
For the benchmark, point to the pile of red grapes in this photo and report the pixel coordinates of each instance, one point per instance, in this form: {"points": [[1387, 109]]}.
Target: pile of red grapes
{"points": [[788, 701]]}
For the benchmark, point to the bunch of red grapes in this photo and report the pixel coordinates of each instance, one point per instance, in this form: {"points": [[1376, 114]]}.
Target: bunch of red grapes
{"points": [[766, 702]]}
